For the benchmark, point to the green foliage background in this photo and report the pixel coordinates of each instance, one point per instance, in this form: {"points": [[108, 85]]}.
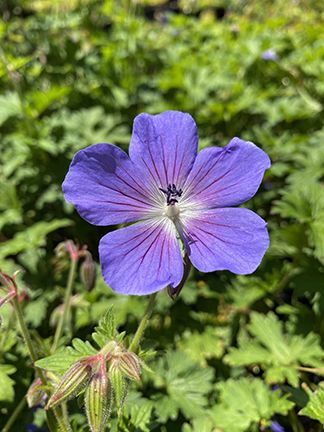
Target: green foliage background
{"points": [[73, 73]]}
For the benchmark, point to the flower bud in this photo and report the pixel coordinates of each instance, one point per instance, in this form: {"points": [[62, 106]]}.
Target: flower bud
{"points": [[88, 272], [98, 399], [118, 385], [8, 282], [128, 363], [7, 298], [73, 381], [35, 394]]}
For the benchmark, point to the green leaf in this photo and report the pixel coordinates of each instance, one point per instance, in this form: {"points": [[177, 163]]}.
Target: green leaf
{"points": [[106, 330], [305, 203], [60, 361], [35, 311], [201, 424], [246, 402], [10, 206], [6, 383], [278, 353], [186, 384], [138, 409], [32, 237], [63, 359], [206, 345], [9, 106], [315, 406], [83, 348]]}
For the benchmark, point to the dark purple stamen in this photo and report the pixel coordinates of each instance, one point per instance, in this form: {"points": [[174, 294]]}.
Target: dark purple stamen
{"points": [[172, 192]]}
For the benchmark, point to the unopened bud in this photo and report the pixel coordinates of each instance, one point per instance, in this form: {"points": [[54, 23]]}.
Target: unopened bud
{"points": [[35, 394], [128, 363], [72, 249], [8, 282], [73, 381], [7, 298], [98, 399], [118, 384], [88, 272], [60, 250], [23, 296]]}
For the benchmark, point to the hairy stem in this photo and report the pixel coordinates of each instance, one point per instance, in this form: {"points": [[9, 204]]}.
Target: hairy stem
{"points": [[27, 338], [54, 418], [142, 325], [66, 305], [14, 415]]}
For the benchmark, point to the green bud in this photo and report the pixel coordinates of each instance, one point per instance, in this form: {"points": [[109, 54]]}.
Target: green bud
{"points": [[98, 400], [73, 381], [88, 272], [118, 384]]}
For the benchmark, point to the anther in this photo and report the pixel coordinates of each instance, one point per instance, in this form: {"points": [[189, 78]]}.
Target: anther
{"points": [[171, 191]]}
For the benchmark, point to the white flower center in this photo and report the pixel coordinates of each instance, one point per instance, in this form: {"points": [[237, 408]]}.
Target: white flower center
{"points": [[172, 211], [172, 195]]}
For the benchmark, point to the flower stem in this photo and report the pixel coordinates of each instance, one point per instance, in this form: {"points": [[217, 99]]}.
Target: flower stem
{"points": [[14, 415], [142, 325], [66, 305], [27, 338], [54, 418]]}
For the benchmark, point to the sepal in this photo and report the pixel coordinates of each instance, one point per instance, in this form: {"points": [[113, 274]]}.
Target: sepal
{"points": [[73, 381], [98, 398]]}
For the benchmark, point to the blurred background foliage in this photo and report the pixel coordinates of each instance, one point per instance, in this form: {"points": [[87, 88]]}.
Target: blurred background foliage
{"points": [[235, 353]]}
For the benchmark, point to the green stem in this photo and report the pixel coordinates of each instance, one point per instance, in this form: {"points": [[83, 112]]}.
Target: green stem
{"points": [[142, 325], [14, 415], [295, 423], [316, 371], [27, 338], [62, 426], [66, 305]]}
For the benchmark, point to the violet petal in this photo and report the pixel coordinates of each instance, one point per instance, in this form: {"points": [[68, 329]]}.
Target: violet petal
{"points": [[164, 146], [228, 176], [276, 427], [142, 258], [105, 187], [232, 239]]}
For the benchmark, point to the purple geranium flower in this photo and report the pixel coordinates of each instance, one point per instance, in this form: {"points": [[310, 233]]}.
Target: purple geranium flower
{"points": [[174, 194], [269, 55], [276, 427]]}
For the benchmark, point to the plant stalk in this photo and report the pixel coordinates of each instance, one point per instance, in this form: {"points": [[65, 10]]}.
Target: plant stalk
{"points": [[14, 415], [142, 325], [54, 417], [66, 305], [27, 338]]}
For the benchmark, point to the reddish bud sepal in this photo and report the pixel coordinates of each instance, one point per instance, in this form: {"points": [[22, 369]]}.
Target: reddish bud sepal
{"points": [[88, 272], [73, 381], [35, 394], [128, 364], [10, 288], [98, 396]]}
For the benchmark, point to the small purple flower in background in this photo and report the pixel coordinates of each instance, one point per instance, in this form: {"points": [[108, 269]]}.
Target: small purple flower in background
{"points": [[276, 427], [173, 194], [269, 55]]}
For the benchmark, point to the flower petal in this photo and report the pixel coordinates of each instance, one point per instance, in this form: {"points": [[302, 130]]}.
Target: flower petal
{"points": [[233, 239], [105, 187], [223, 177], [165, 146], [142, 258]]}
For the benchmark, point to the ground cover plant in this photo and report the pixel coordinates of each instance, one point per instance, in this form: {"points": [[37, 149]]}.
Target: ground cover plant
{"points": [[229, 352]]}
